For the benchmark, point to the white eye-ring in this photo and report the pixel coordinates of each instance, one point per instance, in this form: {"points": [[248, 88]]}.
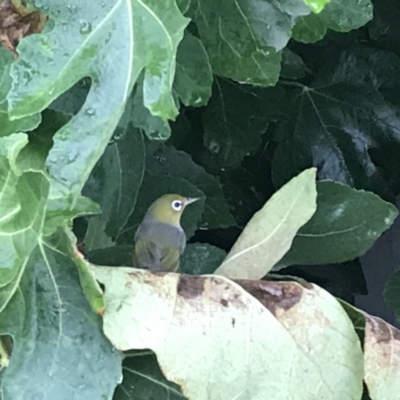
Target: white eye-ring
{"points": [[177, 205]]}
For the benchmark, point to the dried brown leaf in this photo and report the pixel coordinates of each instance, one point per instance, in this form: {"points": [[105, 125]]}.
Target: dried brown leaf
{"points": [[16, 22]]}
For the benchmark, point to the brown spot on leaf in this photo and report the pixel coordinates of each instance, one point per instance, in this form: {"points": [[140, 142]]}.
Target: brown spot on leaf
{"points": [[190, 286], [135, 275], [102, 311], [224, 302], [382, 331], [274, 295], [18, 21]]}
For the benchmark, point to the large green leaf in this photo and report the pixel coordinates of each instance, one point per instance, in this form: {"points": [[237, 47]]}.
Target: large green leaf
{"points": [[269, 234], [59, 351], [346, 123], [23, 199], [236, 118], [338, 15], [6, 126], [244, 41], [111, 42], [277, 338], [165, 160], [346, 224]]}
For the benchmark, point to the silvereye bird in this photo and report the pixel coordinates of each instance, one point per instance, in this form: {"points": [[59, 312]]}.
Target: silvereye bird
{"points": [[160, 240]]}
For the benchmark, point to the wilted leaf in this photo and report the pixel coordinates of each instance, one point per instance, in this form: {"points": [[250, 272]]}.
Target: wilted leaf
{"points": [[338, 15], [18, 21], [165, 160], [382, 359], [345, 117], [270, 232], [381, 345], [346, 224], [193, 79], [236, 118], [143, 379], [392, 294], [286, 339], [54, 331], [201, 259]]}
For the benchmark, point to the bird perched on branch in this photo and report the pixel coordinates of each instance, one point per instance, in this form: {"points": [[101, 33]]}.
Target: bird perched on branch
{"points": [[160, 240]]}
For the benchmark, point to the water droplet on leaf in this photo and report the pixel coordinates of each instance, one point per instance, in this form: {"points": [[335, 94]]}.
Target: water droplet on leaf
{"points": [[86, 28]]}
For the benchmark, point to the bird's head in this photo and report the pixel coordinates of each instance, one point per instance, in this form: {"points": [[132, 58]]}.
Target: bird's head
{"points": [[169, 208]]}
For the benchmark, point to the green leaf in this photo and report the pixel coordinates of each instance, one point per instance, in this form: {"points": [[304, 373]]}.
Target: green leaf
{"points": [[96, 237], [191, 312], [165, 160], [141, 36], [292, 66], [346, 224], [115, 256], [154, 187], [34, 154], [269, 234], [244, 42], [52, 325], [344, 122], [236, 118], [23, 199], [90, 286], [116, 179], [193, 79], [338, 15], [154, 127], [317, 5], [7, 127], [200, 259], [143, 379], [392, 294]]}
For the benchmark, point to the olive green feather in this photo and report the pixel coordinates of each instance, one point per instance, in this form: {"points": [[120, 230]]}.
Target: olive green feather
{"points": [[160, 240]]}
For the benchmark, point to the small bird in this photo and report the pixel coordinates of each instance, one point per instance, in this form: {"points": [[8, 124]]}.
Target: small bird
{"points": [[160, 240]]}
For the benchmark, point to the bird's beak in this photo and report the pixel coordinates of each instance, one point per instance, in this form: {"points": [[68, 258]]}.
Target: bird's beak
{"points": [[191, 200]]}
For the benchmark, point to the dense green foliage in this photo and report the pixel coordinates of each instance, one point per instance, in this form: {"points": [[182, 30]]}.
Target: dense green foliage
{"points": [[117, 102]]}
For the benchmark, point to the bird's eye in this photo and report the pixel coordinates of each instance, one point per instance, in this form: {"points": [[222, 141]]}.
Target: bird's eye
{"points": [[177, 205]]}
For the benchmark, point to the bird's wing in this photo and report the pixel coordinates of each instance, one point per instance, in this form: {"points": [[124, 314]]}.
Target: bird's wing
{"points": [[146, 255], [170, 259]]}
